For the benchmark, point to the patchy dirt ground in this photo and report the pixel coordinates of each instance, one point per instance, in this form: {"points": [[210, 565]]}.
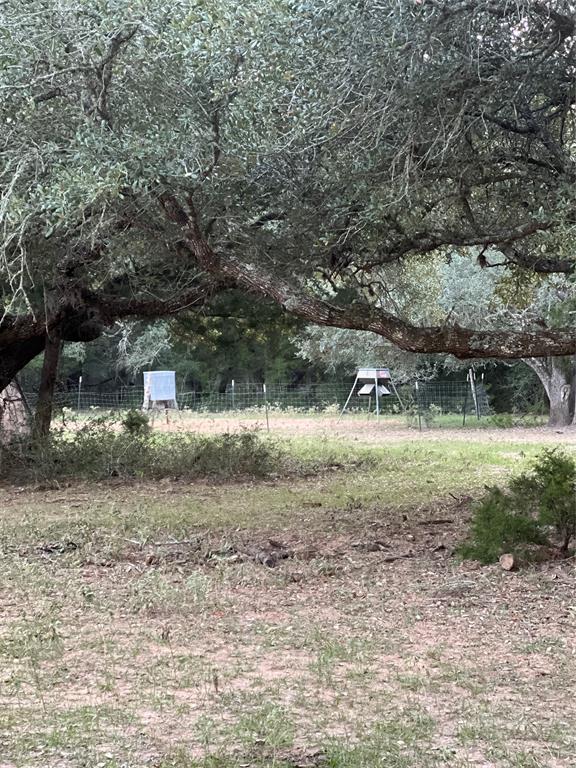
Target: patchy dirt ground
{"points": [[363, 430], [351, 638]]}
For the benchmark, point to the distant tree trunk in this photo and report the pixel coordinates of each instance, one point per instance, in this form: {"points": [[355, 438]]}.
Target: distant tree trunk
{"points": [[223, 380], [557, 380], [43, 416], [572, 398], [559, 396]]}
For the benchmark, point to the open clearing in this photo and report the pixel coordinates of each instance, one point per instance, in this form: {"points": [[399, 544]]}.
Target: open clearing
{"points": [[316, 621], [367, 430]]}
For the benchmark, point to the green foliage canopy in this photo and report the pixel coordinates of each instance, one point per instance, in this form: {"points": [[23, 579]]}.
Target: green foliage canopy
{"points": [[154, 153]]}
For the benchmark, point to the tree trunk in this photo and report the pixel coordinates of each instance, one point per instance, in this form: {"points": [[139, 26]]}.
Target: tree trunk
{"points": [[43, 416], [559, 396], [556, 380], [560, 393], [14, 413], [16, 356], [573, 392]]}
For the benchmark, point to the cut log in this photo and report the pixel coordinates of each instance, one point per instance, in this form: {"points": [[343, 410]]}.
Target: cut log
{"points": [[508, 562]]}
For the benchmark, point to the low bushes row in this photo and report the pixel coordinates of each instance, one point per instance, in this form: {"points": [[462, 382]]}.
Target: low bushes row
{"points": [[99, 450]]}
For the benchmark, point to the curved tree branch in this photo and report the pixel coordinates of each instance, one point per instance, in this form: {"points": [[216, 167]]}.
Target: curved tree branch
{"points": [[84, 319], [461, 342]]}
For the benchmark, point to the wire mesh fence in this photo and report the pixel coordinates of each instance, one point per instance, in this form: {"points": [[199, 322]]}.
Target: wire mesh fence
{"points": [[446, 397]]}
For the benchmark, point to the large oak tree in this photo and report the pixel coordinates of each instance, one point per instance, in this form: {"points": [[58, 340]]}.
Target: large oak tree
{"points": [[155, 153]]}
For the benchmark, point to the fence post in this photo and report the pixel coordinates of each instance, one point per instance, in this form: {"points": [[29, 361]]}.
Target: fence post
{"points": [[418, 406], [266, 407], [233, 394], [476, 403], [79, 392], [472, 378]]}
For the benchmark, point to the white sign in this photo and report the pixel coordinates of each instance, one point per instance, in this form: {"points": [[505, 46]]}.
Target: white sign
{"points": [[160, 385]]}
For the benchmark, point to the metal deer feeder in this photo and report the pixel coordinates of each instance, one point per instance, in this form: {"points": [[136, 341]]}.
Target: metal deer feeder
{"points": [[159, 390], [372, 382]]}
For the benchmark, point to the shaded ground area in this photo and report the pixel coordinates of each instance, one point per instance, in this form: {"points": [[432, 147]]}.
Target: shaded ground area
{"points": [[320, 621]]}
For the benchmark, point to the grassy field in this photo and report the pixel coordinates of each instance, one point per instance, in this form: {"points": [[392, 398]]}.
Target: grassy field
{"points": [[320, 620], [276, 417]]}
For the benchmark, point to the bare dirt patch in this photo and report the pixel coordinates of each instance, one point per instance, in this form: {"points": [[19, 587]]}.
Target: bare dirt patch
{"points": [[372, 636]]}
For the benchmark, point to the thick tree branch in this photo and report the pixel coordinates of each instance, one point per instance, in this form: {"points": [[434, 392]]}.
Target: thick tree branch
{"points": [[461, 342], [112, 308]]}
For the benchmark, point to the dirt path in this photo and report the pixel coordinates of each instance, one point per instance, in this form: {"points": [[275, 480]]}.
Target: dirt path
{"points": [[371, 432]]}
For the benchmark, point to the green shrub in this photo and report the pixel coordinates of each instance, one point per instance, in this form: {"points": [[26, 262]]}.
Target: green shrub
{"points": [[226, 455], [98, 450], [502, 420], [497, 528], [136, 422], [505, 521], [510, 420], [548, 493]]}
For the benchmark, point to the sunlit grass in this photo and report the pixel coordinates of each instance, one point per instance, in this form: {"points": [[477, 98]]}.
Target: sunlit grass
{"points": [[350, 477]]}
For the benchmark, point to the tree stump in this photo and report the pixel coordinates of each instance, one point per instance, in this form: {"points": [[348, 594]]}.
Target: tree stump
{"points": [[508, 562]]}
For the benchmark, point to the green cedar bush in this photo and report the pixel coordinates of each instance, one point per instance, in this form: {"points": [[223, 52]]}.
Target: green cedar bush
{"points": [[548, 493], [535, 501], [497, 528], [136, 422]]}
